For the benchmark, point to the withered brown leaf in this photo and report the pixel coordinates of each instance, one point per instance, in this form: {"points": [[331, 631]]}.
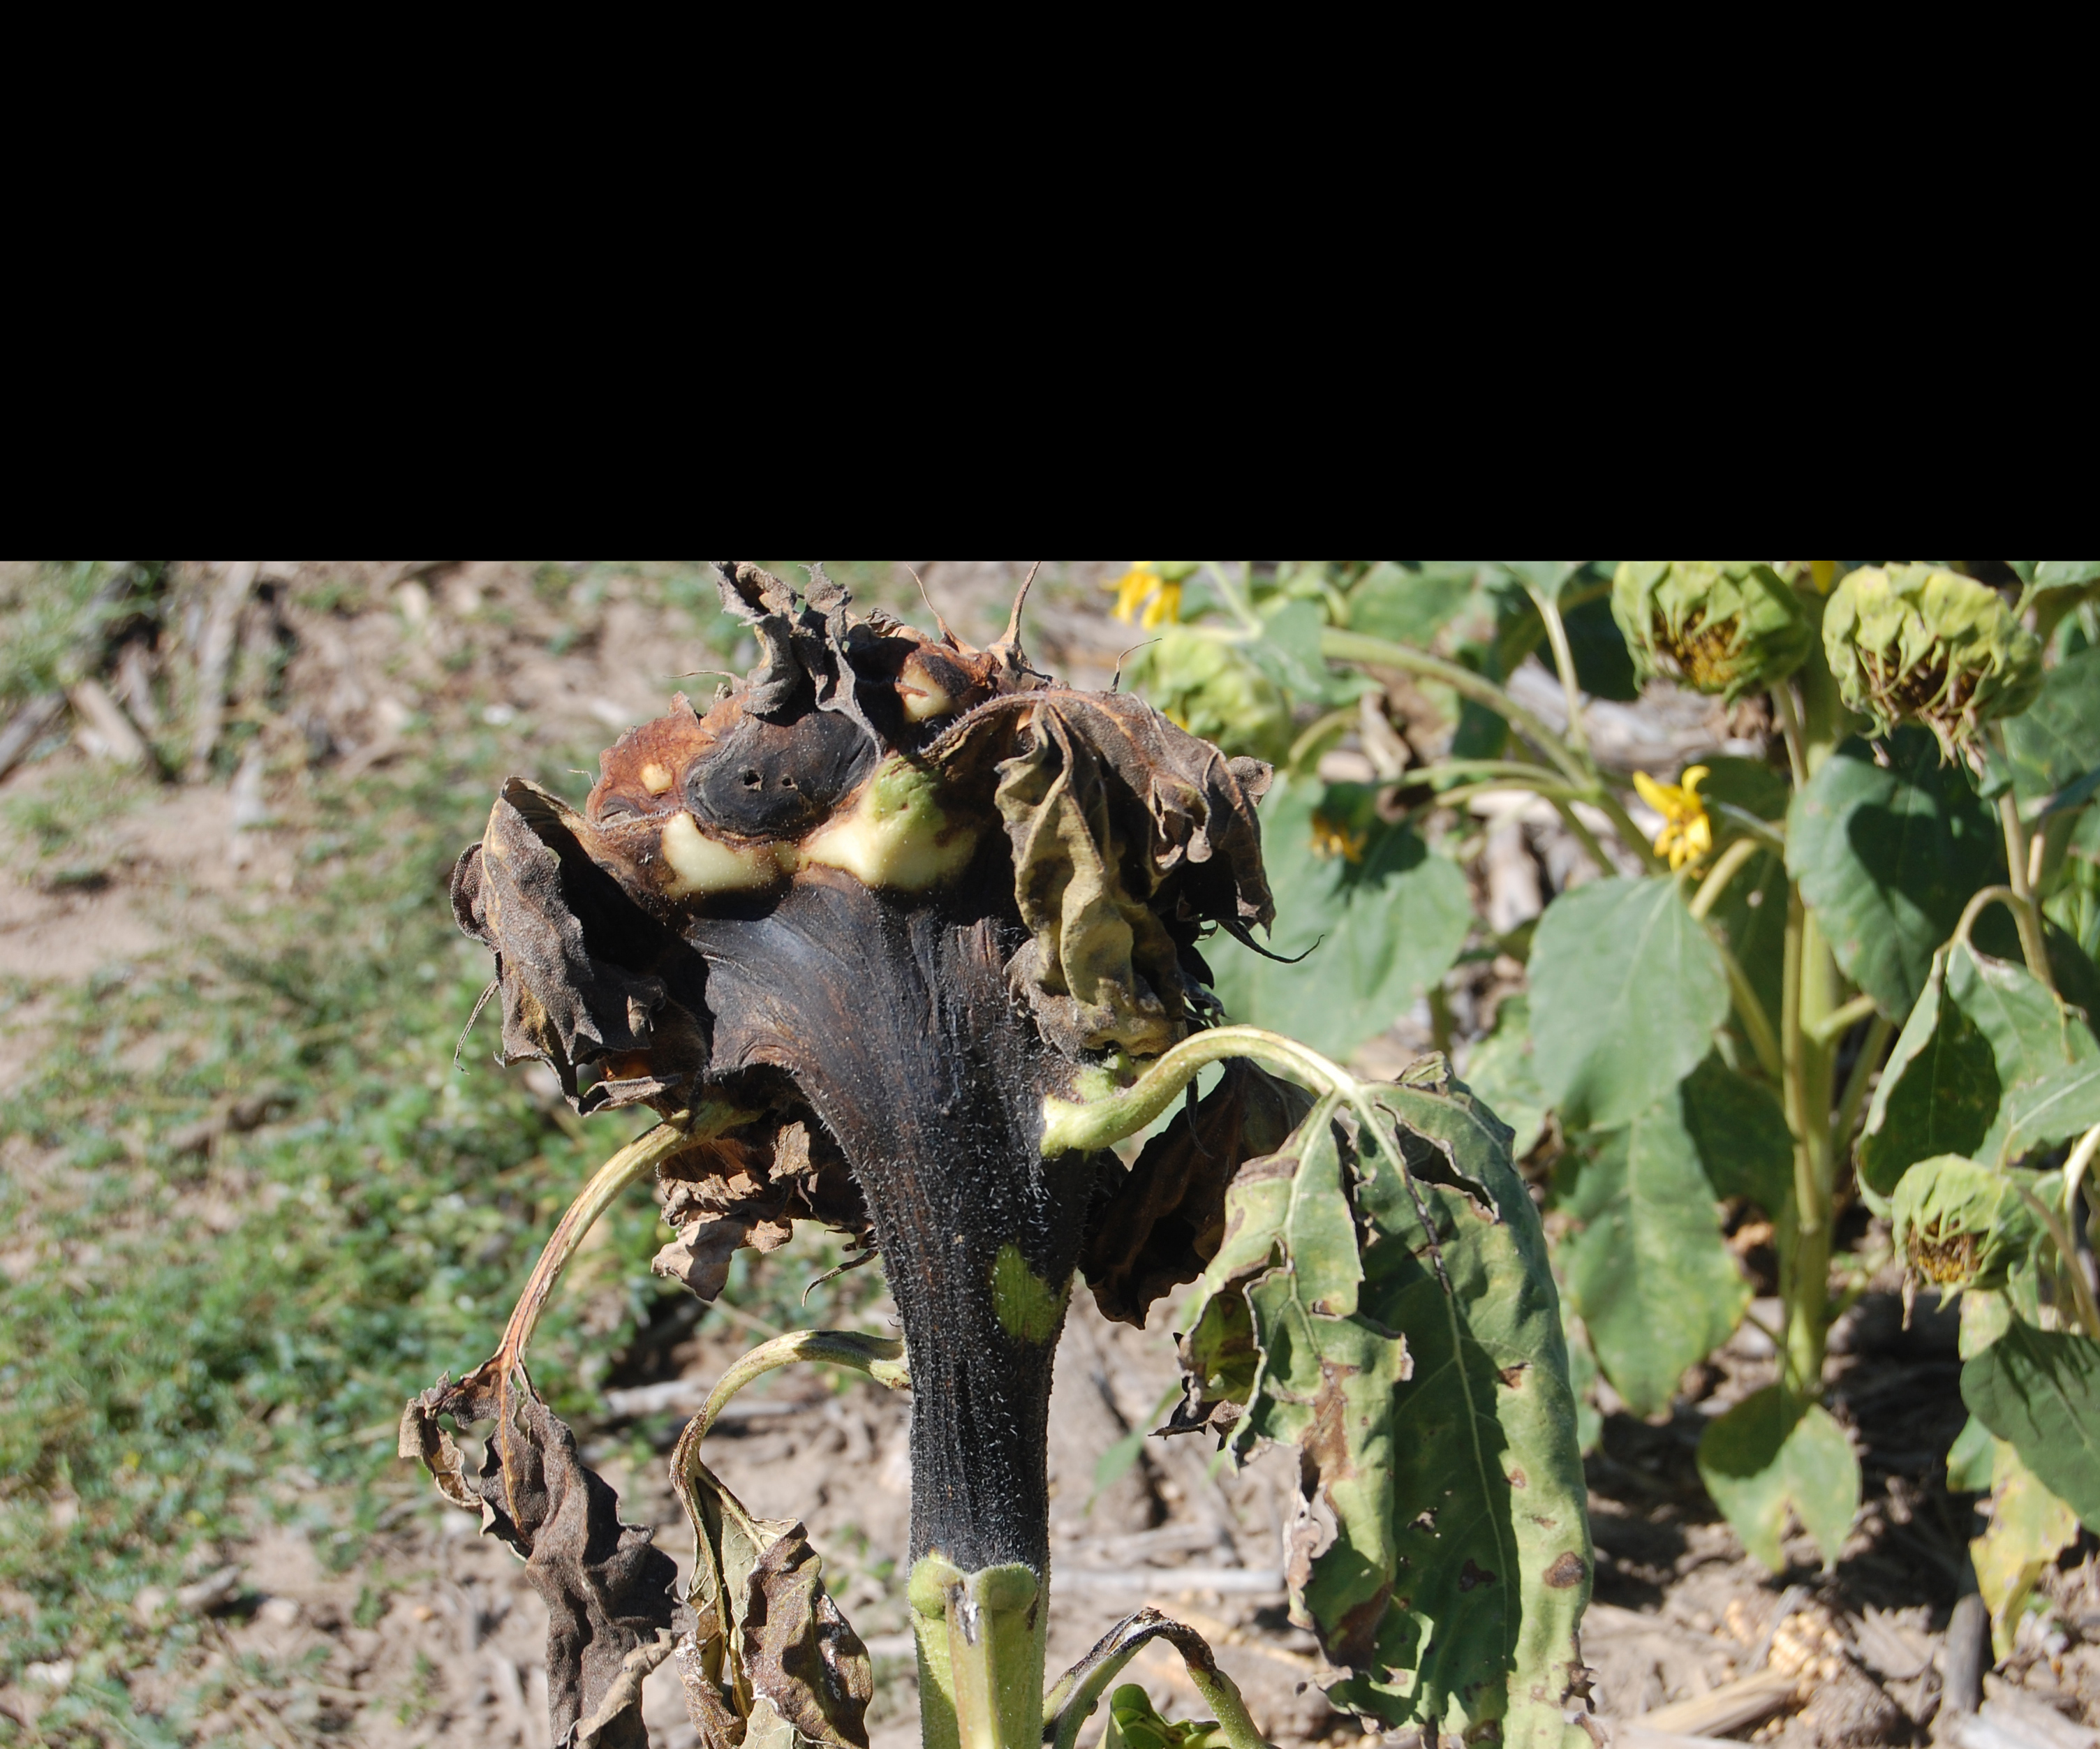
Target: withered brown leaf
{"points": [[1160, 1224], [768, 1642], [607, 1585]]}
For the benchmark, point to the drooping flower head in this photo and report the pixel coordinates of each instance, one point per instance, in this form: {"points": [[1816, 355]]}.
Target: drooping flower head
{"points": [[1729, 628], [1918, 643], [1957, 1224]]}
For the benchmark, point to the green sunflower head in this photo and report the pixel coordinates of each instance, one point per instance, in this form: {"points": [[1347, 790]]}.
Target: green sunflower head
{"points": [[1725, 626], [1916, 644]]}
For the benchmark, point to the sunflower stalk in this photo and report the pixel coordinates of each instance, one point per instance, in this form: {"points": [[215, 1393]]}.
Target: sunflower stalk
{"points": [[1812, 996]]}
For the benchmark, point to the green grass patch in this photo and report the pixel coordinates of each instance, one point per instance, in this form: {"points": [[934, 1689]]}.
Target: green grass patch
{"points": [[189, 1326]]}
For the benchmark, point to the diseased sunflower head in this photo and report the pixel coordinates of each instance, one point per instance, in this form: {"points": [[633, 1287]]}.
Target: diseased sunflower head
{"points": [[878, 848], [1729, 628], [1919, 643]]}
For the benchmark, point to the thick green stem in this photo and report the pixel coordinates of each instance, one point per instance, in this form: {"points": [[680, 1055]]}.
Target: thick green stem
{"points": [[982, 1637], [1824, 720], [2034, 944], [1811, 995], [1068, 1124]]}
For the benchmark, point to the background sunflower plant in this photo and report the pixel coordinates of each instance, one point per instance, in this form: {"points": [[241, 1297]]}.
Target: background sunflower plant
{"points": [[1829, 989]]}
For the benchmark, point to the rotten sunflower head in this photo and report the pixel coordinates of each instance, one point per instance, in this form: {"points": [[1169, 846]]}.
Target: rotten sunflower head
{"points": [[879, 901], [1916, 643], [1729, 628]]}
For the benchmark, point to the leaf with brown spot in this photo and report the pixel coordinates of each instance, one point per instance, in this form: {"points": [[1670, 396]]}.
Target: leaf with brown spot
{"points": [[1433, 1422]]}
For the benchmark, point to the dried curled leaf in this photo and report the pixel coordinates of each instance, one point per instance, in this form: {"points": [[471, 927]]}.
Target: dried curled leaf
{"points": [[607, 1585], [1099, 965], [1127, 833], [770, 1649], [587, 979], [746, 1189], [1160, 1224]]}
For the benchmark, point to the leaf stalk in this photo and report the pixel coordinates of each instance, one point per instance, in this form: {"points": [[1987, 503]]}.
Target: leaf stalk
{"points": [[1379, 652]]}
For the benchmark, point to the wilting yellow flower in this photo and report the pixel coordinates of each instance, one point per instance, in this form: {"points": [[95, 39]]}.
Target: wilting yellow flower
{"points": [[1330, 839], [1822, 573], [1143, 587], [1686, 834]]}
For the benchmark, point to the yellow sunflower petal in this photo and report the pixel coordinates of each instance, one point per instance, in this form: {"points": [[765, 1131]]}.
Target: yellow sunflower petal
{"points": [[1652, 793], [1132, 589], [1164, 608]]}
